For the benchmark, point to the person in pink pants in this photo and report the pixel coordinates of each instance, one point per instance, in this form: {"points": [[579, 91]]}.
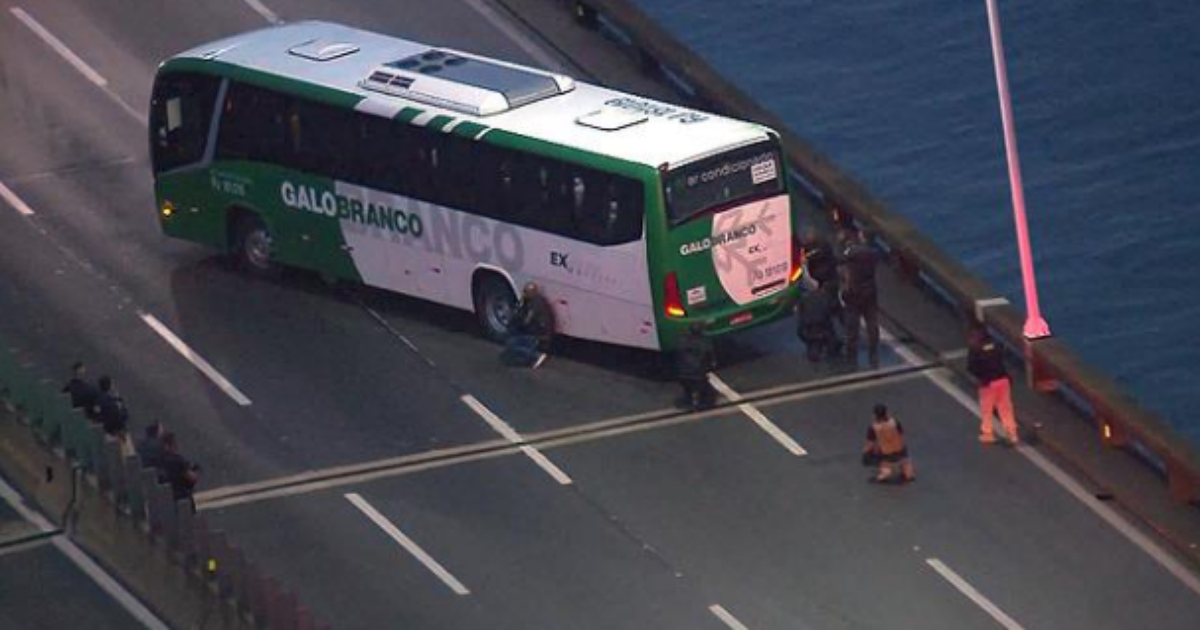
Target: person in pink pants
{"points": [[985, 361]]}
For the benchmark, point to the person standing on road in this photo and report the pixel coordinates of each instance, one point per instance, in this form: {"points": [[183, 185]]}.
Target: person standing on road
{"points": [[985, 361], [693, 359], [815, 315], [83, 394], [886, 446], [859, 295], [531, 330], [820, 260]]}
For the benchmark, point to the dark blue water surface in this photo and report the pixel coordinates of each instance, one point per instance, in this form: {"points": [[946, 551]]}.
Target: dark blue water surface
{"points": [[1107, 98]]}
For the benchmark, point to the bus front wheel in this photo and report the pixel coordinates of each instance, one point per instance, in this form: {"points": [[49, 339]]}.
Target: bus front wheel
{"points": [[495, 305], [253, 246]]}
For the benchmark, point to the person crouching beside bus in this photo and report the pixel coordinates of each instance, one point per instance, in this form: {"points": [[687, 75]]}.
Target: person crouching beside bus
{"points": [[531, 329], [886, 447]]}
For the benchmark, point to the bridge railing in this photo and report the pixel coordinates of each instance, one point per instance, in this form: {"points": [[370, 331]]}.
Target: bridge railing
{"points": [[1050, 365], [243, 595]]}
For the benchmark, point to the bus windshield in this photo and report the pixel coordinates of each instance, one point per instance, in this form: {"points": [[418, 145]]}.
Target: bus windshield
{"points": [[723, 180]]}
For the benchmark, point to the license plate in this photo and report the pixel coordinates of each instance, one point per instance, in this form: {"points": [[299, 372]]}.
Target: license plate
{"points": [[741, 318]]}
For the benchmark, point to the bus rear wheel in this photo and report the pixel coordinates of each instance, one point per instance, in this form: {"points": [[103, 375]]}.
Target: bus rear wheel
{"points": [[495, 306], [252, 246]]}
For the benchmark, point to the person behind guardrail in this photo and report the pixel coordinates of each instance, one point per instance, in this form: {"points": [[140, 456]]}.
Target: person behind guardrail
{"points": [[886, 448], [183, 475], [694, 357], [985, 361], [859, 295], [531, 330], [150, 448], [83, 394], [111, 411]]}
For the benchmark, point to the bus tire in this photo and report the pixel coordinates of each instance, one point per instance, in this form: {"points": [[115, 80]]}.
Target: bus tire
{"points": [[495, 305], [252, 246]]}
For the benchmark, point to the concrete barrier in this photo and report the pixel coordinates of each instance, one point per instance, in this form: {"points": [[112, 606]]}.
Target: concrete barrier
{"points": [[1049, 364], [123, 516]]}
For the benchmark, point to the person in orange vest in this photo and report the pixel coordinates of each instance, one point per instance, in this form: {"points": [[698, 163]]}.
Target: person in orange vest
{"points": [[885, 445]]}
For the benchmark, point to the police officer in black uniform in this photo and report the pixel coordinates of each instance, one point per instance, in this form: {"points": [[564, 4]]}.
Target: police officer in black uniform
{"points": [[859, 295], [694, 357]]}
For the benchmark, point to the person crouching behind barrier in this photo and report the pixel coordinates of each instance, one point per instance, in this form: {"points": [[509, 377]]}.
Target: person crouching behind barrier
{"points": [[531, 329], [886, 448]]}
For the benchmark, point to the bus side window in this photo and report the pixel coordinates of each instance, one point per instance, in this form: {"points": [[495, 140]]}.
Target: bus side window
{"points": [[457, 168], [319, 138], [181, 113], [380, 143], [253, 126], [624, 212], [550, 197], [610, 215]]}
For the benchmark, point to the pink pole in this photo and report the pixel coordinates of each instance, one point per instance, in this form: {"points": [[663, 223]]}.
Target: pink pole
{"points": [[1035, 326]]}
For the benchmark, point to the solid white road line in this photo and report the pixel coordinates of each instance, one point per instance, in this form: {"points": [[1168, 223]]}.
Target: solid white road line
{"points": [[109, 585], [512, 32], [757, 416], [972, 594], [195, 359], [1110, 516], [59, 47], [78, 63], [1105, 512], [18, 548], [82, 561], [15, 201], [261, 9], [726, 617], [411, 547], [900, 349], [512, 436], [14, 500]]}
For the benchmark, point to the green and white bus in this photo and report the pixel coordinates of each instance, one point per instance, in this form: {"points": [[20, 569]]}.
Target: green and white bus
{"points": [[457, 178]]}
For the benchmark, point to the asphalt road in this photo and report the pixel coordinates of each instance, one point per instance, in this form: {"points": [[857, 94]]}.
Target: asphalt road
{"points": [[416, 511]]}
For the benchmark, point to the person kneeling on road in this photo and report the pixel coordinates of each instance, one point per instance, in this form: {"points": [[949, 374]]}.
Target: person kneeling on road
{"points": [[886, 447], [531, 330], [694, 357]]}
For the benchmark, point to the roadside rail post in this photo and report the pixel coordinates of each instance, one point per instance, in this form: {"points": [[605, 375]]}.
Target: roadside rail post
{"points": [[135, 497]]}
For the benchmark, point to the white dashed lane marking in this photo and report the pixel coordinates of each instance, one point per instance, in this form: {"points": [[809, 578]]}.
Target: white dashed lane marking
{"points": [[409, 545], [757, 417], [512, 436], [195, 359]]}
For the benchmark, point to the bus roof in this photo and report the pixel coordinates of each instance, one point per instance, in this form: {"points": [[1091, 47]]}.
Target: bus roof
{"points": [[390, 75]]}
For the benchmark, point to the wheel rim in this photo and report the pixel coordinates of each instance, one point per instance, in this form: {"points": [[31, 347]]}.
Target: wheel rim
{"points": [[257, 248], [498, 308]]}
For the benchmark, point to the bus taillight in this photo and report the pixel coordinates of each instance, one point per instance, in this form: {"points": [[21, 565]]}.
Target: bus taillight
{"points": [[671, 301], [797, 261]]}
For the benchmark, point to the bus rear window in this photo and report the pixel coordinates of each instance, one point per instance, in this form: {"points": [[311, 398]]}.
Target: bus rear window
{"points": [[723, 180]]}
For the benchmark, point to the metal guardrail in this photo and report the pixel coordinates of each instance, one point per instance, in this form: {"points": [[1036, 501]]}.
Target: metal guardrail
{"points": [[1050, 364], [135, 493]]}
